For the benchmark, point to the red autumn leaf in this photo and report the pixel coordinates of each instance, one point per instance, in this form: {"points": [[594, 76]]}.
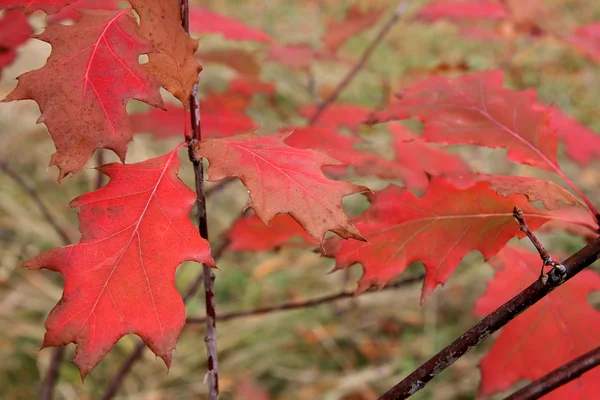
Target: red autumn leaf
{"points": [[576, 221], [557, 329], [342, 148], [462, 10], [587, 40], [549, 193], [70, 11], [251, 234], [247, 87], [422, 158], [202, 20], [581, 142], [222, 116], [356, 21], [476, 109], [438, 230], [298, 56], [29, 6], [337, 115], [120, 277], [242, 61], [14, 31], [283, 180], [172, 62], [91, 74]]}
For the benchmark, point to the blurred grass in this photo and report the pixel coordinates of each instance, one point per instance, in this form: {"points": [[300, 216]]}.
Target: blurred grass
{"points": [[353, 349]]}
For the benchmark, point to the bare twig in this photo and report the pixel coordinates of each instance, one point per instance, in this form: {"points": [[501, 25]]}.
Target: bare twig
{"points": [[398, 12], [209, 277], [559, 377], [36, 199], [547, 259], [490, 324], [47, 392], [303, 304], [100, 162]]}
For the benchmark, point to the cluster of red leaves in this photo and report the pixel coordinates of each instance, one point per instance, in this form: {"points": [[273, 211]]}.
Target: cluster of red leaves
{"points": [[137, 227]]}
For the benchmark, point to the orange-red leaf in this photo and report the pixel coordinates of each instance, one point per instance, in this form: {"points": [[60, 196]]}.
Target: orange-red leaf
{"points": [[29, 6], [438, 230], [557, 329], [120, 277], [173, 63], [337, 115], [587, 40], [355, 22], [476, 109], [460, 10], [251, 234], [83, 88], [71, 11], [202, 20], [14, 31], [283, 180], [583, 144]]}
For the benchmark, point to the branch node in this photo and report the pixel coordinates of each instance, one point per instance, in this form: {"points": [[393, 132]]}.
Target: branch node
{"points": [[559, 270]]}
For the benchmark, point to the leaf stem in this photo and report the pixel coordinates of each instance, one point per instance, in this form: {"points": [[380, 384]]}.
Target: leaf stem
{"points": [[493, 322], [559, 377], [398, 12]]}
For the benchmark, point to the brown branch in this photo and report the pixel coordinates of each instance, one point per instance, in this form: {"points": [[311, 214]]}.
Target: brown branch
{"points": [[303, 304], [493, 322], [547, 259], [36, 199], [559, 377], [398, 12], [209, 277], [47, 392]]}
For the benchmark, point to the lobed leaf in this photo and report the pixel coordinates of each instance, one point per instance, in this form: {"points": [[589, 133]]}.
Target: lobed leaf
{"points": [[120, 277]]}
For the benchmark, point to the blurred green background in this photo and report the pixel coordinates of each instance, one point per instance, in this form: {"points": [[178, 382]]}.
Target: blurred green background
{"points": [[352, 349]]}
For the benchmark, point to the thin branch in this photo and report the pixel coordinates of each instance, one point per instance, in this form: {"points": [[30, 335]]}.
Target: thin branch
{"points": [[36, 199], [303, 304], [398, 12], [47, 392], [494, 321], [547, 259], [559, 377], [209, 276], [100, 162]]}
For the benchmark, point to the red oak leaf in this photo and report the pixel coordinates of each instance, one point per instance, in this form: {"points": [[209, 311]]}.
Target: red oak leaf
{"points": [[438, 230], [587, 40], [202, 20], [461, 10], [342, 148], [356, 21], [423, 159], [549, 193], [251, 234], [581, 142], [476, 109], [298, 56], [337, 115], [120, 277], [14, 31], [248, 87], [172, 62], [557, 329], [92, 73], [29, 6], [222, 116], [70, 11], [283, 180]]}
